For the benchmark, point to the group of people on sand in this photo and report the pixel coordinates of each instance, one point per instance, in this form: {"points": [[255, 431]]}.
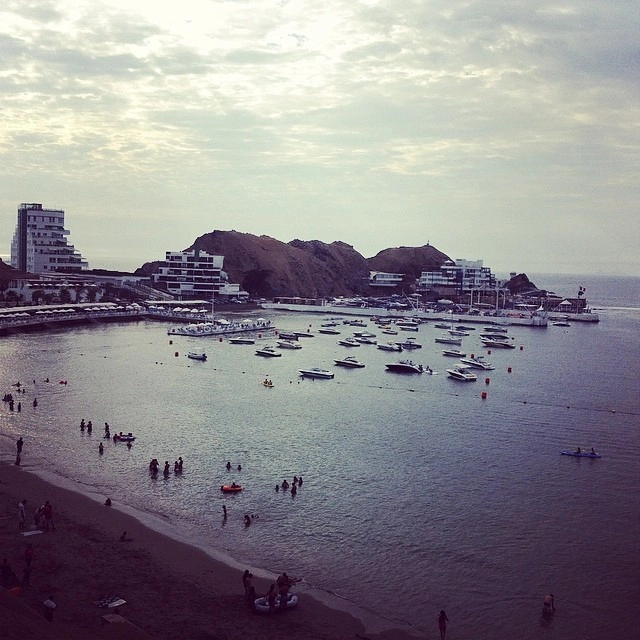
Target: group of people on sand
{"points": [[277, 596], [154, 467], [296, 483]]}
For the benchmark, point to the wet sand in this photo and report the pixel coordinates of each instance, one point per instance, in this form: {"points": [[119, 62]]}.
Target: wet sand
{"points": [[172, 590]]}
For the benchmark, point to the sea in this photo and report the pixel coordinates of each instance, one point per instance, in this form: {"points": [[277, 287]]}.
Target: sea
{"points": [[419, 493]]}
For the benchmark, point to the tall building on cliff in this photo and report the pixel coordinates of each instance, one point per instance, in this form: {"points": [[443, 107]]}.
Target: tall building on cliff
{"points": [[39, 243]]}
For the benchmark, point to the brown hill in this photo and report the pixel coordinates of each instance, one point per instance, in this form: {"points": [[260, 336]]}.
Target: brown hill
{"points": [[267, 267]]}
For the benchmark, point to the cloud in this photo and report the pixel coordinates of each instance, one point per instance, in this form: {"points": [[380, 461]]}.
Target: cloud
{"points": [[328, 119]]}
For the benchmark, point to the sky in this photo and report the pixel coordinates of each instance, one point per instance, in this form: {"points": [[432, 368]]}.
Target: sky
{"points": [[496, 130]]}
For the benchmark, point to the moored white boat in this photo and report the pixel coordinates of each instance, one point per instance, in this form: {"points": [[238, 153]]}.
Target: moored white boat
{"points": [[409, 343], [389, 346], [268, 352], [478, 362], [349, 342], [329, 331], [242, 340], [449, 340], [288, 344], [454, 353], [197, 356], [497, 342], [349, 361], [461, 372], [404, 366], [316, 372]]}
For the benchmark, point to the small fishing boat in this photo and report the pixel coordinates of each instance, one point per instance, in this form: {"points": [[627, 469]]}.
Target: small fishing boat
{"points": [[197, 356], [316, 372], [268, 352], [581, 454]]}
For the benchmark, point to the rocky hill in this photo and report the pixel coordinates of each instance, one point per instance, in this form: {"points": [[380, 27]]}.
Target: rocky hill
{"points": [[267, 267]]}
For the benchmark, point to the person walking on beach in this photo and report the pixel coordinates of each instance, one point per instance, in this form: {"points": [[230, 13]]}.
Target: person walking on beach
{"points": [[442, 624], [22, 515], [48, 516]]}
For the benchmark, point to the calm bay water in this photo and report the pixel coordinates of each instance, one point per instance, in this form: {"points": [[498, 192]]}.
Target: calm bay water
{"points": [[418, 495]]}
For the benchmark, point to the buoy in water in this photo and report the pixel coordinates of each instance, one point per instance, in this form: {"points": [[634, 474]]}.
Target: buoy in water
{"points": [[487, 380], [521, 347], [176, 354], [483, 395], [508, 369], [219, 339]]}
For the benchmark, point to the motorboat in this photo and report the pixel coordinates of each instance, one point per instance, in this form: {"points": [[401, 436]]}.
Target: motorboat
{"points": [[449, 340], [365, 340], [560, 323], [478, 362], [461, 372], [350, 361], [316, 372], [331, 323], [197, 356], [355, 323], [408, 327], [404, 366], [240, 340], [500, 343], [329, 330], [268, 352], [349, 342], [462, 327], [453, 353], [390, 332], [442, 325], [288, 344], [495, 329], [389, 346], [457, 332], [303, 334], [409, 343], [364, 334], [287, 335]]}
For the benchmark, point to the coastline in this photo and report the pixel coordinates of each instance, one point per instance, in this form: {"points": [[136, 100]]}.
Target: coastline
{"points": [[172, 589]]}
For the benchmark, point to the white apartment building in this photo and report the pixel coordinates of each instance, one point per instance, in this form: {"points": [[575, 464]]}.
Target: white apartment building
{"points": [[457, 278], [195, 275], [384, 280], [40, 243]]}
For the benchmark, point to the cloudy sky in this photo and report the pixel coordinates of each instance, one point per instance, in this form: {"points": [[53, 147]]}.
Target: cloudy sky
{"points": [[502, 130]]}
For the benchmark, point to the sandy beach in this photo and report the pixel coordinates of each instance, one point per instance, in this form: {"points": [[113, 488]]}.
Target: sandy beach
{"points": [[172, 590]]}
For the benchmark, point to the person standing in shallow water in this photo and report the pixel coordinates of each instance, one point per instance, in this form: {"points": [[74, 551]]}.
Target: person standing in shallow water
{"points": [[442, 624]]}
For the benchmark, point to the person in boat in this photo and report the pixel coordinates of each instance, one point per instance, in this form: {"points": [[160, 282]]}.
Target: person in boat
{"points": [[578, 450], [548, 605], [593, 452], [266, 381], [233, 485]]}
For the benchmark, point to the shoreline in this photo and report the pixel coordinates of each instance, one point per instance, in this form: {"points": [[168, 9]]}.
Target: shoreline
{"points": [[197, 591]]}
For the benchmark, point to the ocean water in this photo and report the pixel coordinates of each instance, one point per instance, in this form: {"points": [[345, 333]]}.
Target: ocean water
{"points": [[418, 494]]}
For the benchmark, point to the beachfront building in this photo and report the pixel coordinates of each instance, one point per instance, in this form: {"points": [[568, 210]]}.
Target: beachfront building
{"points": [[381, 280], [195, 275], [40, 242], [458, 279]]}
